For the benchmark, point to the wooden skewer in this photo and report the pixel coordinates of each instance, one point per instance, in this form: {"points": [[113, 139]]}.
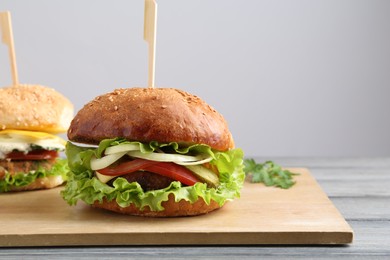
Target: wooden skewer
{"points": [[8, 39], [150, 25]]}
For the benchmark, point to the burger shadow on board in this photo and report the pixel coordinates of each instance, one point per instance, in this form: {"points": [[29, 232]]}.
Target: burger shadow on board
{"points": [[83, 212], [155, 152], [31, 116]]}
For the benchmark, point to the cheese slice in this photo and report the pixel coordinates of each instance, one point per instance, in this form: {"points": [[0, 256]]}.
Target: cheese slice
{"points": [[30, 135], [104, 178]]}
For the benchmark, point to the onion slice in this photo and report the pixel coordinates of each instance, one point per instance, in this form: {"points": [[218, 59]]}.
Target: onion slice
{"points": [[84, 145], [164, 157], [100, 163], [122, 148], [205, 160]]}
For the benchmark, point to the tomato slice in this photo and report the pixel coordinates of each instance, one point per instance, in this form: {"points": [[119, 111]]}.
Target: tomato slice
{"points": [[174, 171], [168, 169], [33, 155], [127, 167]]}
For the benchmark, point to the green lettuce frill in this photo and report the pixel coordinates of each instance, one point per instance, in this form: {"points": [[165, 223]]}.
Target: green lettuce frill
{"points": [[82, 185]]}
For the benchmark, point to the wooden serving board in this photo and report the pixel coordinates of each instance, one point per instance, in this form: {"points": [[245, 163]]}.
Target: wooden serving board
{"points": [[302, 214]]}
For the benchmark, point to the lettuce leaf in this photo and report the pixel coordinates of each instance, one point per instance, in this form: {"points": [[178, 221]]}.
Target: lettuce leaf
{"points": [[22, 179], [82, 185]]}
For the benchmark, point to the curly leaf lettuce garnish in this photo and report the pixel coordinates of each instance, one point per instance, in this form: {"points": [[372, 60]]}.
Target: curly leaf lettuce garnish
{"points": [[268, 173]]}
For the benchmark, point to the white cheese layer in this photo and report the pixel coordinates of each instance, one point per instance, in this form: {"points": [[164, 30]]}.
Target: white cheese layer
{"points": [[22, 141], [104, 178]]}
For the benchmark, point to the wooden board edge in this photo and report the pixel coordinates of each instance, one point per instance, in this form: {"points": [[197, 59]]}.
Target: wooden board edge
{"points": [[195, 239]]}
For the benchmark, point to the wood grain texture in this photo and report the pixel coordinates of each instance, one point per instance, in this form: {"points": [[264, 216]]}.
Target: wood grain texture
{"points": [[358, 200], [263, 215]]}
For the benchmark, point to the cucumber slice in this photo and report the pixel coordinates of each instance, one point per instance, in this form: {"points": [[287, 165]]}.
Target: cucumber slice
{"points": [[205, 174]]}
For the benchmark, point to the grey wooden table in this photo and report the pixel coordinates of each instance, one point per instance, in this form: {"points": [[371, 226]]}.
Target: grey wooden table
{"points": [[359, 188]]}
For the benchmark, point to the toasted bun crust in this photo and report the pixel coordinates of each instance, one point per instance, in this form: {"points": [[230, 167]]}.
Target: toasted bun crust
{"points": [[41, 183], [172, 208], [34, 107], [151, 114]]}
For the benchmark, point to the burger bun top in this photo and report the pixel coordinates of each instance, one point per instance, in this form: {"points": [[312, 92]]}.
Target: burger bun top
{"points": [[151, 114], [34, 108]]}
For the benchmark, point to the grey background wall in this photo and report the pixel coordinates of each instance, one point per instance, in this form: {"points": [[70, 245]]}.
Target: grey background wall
{"points": [[293, 78]]}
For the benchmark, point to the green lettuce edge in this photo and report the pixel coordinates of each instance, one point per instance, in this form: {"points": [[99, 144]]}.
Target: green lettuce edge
{"points": [[60, 168], [82, 185]]}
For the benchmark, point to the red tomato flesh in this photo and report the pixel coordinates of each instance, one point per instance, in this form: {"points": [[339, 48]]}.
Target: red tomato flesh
{"points": [[174, 171], [127, 167], [33, 155], [168, 169]]}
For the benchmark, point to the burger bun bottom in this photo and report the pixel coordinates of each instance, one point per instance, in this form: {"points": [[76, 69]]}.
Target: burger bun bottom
{"points": [[41, 183], [171, 208]]}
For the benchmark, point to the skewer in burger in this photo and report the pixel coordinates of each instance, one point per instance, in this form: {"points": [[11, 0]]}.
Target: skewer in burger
{"points": [[157, 152], [30, 116]]}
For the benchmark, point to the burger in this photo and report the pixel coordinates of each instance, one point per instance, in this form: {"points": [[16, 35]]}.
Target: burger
{"points": [[30, 118], [157, 152]]}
